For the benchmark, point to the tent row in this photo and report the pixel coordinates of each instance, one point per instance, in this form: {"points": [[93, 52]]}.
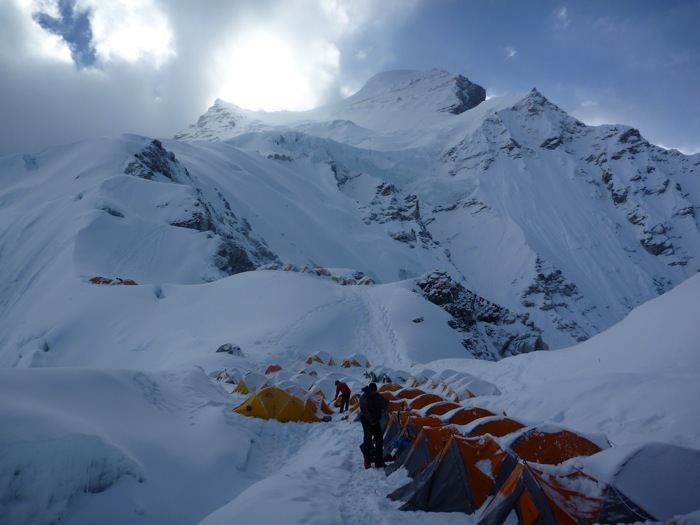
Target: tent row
{"points": [[471, 460], [450, 384], [321, 384], [324, 358], [320, 381]]}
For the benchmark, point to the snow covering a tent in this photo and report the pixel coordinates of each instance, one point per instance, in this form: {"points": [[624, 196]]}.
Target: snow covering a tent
{"points": [[282, 405]]}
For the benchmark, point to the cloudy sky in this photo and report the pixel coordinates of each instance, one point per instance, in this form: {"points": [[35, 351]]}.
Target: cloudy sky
{"points": [[72, 69]]}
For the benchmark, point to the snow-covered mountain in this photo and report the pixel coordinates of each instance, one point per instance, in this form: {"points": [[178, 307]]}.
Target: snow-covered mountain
{"points": [[562, 227], [416, 223], [534, 210]]}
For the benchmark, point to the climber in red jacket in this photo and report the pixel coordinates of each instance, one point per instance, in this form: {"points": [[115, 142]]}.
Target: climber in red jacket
{"points": [[342, 390]]}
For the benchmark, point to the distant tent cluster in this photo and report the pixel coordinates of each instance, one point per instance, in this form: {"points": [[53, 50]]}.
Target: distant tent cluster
{"points": [[287, 395], [468, 459], [117, 280], [315, 381], [344, 278]]}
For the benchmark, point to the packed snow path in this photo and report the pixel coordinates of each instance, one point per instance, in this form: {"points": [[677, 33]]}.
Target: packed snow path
{"points": [[317, 477]]}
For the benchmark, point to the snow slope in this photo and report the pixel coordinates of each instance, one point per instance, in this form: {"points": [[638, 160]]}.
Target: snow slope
{"points": [[148, 436]]}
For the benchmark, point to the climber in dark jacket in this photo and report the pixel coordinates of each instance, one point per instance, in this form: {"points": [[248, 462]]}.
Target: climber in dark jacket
{"points": [[372, 408]]}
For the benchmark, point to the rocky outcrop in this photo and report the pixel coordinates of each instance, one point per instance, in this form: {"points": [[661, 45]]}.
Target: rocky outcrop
{"points": [[469, 95], [489, 330], [239, 249], [400, 212], [155, 163]]}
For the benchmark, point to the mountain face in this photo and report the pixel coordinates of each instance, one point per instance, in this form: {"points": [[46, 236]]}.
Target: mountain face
{"points": [[531, 229]]}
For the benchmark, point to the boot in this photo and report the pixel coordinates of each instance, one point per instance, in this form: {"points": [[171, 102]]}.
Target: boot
{"points": [[368, 463], [380, 464]]}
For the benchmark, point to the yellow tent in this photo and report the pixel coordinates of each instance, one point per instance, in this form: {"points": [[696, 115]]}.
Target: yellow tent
{"points": [[251, 382], [321, 357], [275, 403], [359, 360]]}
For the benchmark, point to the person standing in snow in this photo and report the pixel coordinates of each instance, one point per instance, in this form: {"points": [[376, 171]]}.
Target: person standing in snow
{"points": [[342, 390], [372, 408]]}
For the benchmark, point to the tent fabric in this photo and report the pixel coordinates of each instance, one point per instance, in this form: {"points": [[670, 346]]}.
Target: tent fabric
{"points": [[673, 490], [572, 498], [250, 383], [675, 487], [321, 357], [410, 393], [424, 449], [406, 426], [275, 403], [460, 479], [552, 447], [439, 409], [272, 369], [467, 415], [359, 360], [424, 400], [519, 492], [497, 426], [318, 402]]}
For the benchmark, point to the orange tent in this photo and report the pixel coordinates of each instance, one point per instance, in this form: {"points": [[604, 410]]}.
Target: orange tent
{"points": [[467, 415], [439, 409], [409, 393], [424, 449], [570, 498], [460, 479], [497, 426], [424, 400], [552, 446]]}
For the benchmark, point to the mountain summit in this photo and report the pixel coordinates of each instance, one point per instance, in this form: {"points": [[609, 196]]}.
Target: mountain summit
{"points": [[418, 91], [531, 229], [512, 196], [391, 101]]}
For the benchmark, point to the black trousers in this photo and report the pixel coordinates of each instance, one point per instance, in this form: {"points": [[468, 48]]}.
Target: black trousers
{"points": [[371, 432], [344, 402]]}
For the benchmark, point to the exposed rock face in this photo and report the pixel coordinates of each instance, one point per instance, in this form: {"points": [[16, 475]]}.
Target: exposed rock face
{"points": [[156, 163], [401, 212], [490, 331], [551, 292], [435, 90], [469, 94], [240, 249]]}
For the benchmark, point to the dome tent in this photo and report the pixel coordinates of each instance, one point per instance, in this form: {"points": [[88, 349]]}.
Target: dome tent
{"points": [[275, 403]]}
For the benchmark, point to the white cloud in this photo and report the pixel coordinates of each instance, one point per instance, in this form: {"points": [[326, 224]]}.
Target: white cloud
{"points": [[161, 63], [130, 30], [511, 52], [24, 39], [562, 18]]}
